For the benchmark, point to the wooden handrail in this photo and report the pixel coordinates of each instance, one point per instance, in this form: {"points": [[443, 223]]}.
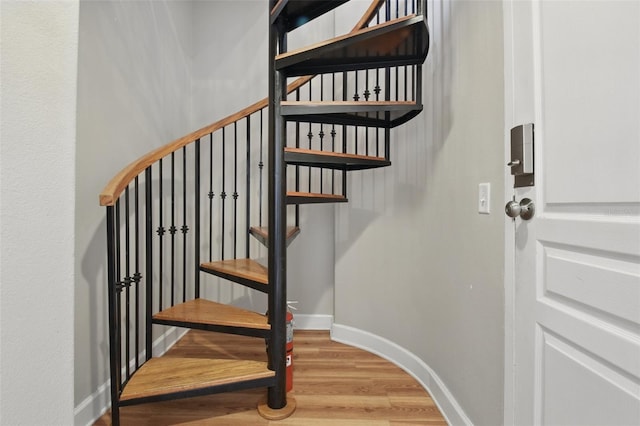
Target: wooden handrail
{"points": [[119, 182]]}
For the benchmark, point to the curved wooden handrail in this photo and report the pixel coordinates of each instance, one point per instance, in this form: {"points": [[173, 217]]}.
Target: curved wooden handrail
{"points": [[119, 182]]}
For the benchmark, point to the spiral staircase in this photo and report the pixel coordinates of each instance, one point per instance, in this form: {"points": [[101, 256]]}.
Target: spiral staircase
{"points": [[195, 212]]}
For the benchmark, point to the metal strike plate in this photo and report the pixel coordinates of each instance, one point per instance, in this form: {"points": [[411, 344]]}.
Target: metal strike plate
{"points": [[521, 163]]}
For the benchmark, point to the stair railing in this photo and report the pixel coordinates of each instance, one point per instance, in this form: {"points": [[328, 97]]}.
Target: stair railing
{"points": [[197, 196], [398, 83]]}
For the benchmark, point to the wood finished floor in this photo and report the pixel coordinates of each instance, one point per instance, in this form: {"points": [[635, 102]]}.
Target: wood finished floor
{"points": [[333, 384]]}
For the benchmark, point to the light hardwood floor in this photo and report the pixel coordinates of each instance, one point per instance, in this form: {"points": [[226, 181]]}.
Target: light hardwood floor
{"points": [[333, 384]]}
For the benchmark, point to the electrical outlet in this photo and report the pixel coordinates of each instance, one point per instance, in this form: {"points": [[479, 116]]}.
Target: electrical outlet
{"points": [[484, 198]]}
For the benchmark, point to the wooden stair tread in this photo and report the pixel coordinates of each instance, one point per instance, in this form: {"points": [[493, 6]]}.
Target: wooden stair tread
{"points": [[296, 13], [261, 233], [402, 41], [386, 114], [173, 375], [333, 160], [314, 198], [208, 313], [243, 271]]}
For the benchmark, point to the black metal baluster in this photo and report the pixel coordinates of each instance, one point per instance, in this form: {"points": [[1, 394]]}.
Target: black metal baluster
{"points": [[344, 131], [148, 176], [223, 194], [397, 82], [333, 148], [297, 127], [356, 98], [397, 53], [160, 231], [172, 228], [126, 282], [387, 89], [137, 276], [376, 91], [210, 195], [418, 85], [310, 136], [196, 220], [406, 77], [248, 187], [261, 167], [118, 290], [296, 208], [333, 133], [184, 228], [413, 83], [321, 136], [235, 190], [114, 320], [321, 133], [422, 8], [367, 94], [406, 84]]}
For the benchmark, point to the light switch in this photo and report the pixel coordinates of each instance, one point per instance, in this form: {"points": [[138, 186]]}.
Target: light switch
{"points": [[484, 197]]}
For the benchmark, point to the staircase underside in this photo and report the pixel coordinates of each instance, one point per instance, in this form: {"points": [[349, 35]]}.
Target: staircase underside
{"points": [[166, 378], [403, 41], [242, 271], [296, 13], [386, 114], [332, 160], [204, 314]]}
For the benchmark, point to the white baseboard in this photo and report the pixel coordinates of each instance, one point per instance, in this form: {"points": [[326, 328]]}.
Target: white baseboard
{"points": [[95, 405], [410, 363], [312, 322]]}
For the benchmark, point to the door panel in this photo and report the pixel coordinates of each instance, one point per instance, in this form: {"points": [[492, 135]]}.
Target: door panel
{"points": [[574, 276], [578, 369], [576, 291], [589, 62]]}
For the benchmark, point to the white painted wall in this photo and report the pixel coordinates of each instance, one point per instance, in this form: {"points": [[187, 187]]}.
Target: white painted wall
{"points": [[415, 263], [38, 136], [134, 79]]}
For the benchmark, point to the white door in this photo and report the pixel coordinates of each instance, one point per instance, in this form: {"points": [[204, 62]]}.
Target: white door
{"points": [[573, 271]]}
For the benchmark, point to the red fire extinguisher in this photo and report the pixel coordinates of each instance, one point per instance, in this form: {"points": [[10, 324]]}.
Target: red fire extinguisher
{"points": [[289, 349]]}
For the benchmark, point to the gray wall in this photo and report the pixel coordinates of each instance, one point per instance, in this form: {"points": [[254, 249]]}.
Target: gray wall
{"points": [[133, 95], [415, 262], [37, 134]]}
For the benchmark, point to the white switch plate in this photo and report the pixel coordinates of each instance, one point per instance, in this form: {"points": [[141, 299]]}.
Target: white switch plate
{"points": [[484, 198]]}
